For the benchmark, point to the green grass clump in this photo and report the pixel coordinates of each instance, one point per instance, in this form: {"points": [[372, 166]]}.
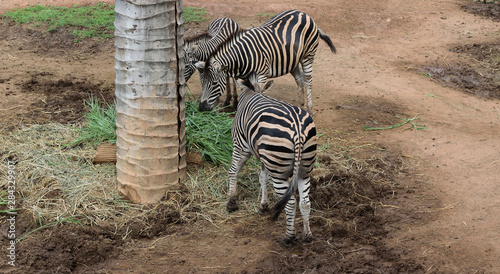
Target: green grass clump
{"points": [[100, 126], [96, 21], [206, 132], [209, 132], [194, 15], [81, 21]]}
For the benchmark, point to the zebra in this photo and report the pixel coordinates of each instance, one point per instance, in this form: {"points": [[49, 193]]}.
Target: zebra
{"points": [[283, 138], [199, 47], [285, 44]]}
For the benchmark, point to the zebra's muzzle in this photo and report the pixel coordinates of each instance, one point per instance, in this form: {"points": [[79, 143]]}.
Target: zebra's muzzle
{"points": [[203, 106]]}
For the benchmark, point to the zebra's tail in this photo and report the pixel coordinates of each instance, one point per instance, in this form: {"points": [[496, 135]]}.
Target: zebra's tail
{"points": [[281, 204], [325, 38]]}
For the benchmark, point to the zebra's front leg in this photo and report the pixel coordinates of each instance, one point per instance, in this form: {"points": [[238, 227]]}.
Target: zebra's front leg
{"points": [[298, 75], [305, 206], [235, 93], [263, 179], [228, 88], [239, 159]]}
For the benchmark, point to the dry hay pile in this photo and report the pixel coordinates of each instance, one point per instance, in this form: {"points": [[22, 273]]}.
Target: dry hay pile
{"points": [[59, 186], [57, 183]]}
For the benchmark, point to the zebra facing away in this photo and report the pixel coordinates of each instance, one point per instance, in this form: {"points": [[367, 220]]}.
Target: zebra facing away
{"points": [[283, 138], [199, 47], [285, 44]]}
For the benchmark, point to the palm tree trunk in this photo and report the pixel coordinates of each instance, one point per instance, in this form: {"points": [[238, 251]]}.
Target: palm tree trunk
{"points": [[150, 116]]}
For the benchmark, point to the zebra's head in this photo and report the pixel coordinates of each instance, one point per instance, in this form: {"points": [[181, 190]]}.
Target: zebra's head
{"points": [[213, 81], [189, 60]]}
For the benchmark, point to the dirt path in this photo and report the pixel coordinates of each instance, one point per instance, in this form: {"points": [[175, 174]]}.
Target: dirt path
{"points": [[376, 74], [380, 46]]}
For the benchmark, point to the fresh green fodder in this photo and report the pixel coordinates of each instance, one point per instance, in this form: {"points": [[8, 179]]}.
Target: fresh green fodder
{"points": [[209, 132], [206, 132], [100, 125]]}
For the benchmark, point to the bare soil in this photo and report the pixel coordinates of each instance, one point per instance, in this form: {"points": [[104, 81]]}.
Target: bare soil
{"points": [[428, 201]]}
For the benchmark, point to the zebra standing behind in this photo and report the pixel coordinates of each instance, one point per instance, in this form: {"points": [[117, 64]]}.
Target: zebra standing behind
{"points": [[199, 47], [283, 138], [285, 44]]}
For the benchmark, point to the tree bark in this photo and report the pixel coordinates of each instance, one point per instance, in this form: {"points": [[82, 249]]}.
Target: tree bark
{"points": [[106, 153], [150, 112]]}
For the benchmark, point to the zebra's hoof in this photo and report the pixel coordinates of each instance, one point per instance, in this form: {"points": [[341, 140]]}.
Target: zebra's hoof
{"points": [[308, 238], [263, 209], [232, 205], [287, 241]]}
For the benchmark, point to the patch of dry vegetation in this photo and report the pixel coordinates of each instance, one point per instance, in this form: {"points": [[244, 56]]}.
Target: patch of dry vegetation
{"points": [[57, 182]]}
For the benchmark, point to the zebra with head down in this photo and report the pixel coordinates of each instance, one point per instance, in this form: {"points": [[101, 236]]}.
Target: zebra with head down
{"points": [[199, 47], [287, 43]]}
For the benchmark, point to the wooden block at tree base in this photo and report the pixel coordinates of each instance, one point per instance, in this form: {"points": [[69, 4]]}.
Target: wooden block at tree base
{"points": [[194, 158], [106, 153]]}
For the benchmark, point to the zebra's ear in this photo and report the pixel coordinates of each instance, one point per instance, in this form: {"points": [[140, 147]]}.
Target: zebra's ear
{"points": [[200, 64], [244, 83], [218, 67], [193, 48]]}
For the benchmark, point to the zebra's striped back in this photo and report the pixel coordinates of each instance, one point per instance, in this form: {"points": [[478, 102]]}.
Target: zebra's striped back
{"points": [[285, 44], [283, 138], [276, 133], [198, 48]]}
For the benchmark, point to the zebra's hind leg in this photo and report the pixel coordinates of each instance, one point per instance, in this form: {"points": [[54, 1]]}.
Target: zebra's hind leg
{"points": [[263, 179], [280, 187], [239, 159], [305, 206], [290, 222], [307, 74], [298, 75]]}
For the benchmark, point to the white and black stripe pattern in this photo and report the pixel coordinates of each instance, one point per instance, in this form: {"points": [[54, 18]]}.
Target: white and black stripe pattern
{"points": [[283, 138], [199, 47], [287, 43]]}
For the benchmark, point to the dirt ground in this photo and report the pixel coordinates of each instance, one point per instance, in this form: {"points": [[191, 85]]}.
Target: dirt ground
{"points": [[435, 206]]}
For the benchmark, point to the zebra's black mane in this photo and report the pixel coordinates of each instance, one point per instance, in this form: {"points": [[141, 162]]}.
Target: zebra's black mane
{"points": [[195, 38], [228, 40]]}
